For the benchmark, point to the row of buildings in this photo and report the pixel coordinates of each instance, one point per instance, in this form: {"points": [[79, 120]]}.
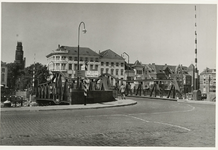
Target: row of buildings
{"points": [[65, 59]]}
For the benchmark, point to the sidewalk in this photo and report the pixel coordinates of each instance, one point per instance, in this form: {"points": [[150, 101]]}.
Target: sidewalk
{"points": [[178, 100], [117, 103], [196, 102]]}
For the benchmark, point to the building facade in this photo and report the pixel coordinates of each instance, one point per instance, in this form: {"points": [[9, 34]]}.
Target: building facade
{"points": [[113, 64], [208, 81], [64, 59], [4, 74], [163, 72]]}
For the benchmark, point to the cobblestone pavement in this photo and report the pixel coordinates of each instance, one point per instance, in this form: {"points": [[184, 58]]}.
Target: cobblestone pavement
{"points": [[148, 123]]}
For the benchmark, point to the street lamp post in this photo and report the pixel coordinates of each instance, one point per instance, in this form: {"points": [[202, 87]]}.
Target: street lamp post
{"points": [[84, 31], [128, 64]]}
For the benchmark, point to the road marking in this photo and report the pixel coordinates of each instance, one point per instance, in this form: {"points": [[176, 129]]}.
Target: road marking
{"points": [[173, 125], [159, 122], [131, 115]]}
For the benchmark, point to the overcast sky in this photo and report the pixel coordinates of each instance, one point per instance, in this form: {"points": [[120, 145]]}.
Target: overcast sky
{"points": [[150, 33]]}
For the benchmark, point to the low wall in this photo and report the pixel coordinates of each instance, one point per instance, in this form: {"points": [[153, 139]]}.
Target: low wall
{"points": [[93, 97]]}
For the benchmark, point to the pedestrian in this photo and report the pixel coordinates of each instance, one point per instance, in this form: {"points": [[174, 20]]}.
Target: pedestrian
{"points": [[122, 91]]}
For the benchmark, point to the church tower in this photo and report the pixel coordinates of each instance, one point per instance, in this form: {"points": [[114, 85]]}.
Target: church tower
{"points": [[19, 55]]}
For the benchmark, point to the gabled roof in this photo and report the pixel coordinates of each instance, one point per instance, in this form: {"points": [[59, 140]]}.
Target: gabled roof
{"points": [[172, 68], [208, 71], [110, 55], [74, 51], [82, 51], [160, 68]]}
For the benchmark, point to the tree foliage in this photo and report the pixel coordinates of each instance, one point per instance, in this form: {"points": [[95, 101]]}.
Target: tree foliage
{"points": [[14, 72], [23, 79], [40, 75]]}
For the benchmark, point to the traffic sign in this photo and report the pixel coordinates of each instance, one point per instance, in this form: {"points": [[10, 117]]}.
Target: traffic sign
{"points": [[80, 73]]}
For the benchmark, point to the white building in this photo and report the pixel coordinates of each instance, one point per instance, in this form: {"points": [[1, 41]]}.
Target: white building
{"points": [[64, 59], [112, 63]]}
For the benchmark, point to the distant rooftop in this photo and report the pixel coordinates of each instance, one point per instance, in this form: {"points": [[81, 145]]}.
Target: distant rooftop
{"points": [[110, 55], [73, 51]]}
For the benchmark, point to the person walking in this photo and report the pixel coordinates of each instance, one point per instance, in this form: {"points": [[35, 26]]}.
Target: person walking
{"points": [[122, 91]]}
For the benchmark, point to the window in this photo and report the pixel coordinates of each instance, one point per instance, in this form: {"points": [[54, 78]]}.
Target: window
{"points": [[121, 64], [3, 77], [70, 58], [57, 66], [57, 57], [75, 66], [102, 70], [112, 64], [121, 72], [53, 57], [63, 66], [102, 63], [80, 59], [117, 64], [75, 58], [86, 59], [139, 71], [63, 58], [70, 66], [91, 59], [96, 67], [3, 69], [117, 70], [112, 71], [96, 59], [91, 67], [107, 63], [107, 70]]}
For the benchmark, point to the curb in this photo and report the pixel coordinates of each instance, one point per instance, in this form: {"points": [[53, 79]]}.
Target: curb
{"points": [[197, 102], [178, 100], [160, 98], [73, 107]]}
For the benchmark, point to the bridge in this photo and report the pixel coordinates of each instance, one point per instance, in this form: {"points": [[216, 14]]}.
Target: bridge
{"points": [[61, 89]]}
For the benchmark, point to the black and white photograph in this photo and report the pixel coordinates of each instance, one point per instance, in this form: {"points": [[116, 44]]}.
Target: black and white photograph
{"points": [[91, 74]]}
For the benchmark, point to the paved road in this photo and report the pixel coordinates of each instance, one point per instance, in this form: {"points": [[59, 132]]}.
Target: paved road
{"points": [[148, 123]]}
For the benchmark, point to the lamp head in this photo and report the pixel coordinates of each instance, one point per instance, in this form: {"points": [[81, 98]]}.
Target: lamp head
{"points": [[84, 31]]}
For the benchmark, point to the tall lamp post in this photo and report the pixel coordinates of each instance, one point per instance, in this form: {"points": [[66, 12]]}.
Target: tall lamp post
{"points": [[78, 67], [128, 63]]}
